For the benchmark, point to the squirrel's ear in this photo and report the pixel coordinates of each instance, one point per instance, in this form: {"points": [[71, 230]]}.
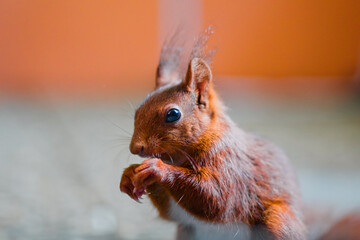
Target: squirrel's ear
{"points": [[165, 76], [198, 78]]}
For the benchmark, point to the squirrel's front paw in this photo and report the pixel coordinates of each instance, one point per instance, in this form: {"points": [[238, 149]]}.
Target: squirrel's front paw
{"points": [[126, 183], [148, 172]]}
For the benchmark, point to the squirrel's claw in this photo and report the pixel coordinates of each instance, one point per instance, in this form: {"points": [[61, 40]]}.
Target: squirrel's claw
{"points": [[138, 193]]}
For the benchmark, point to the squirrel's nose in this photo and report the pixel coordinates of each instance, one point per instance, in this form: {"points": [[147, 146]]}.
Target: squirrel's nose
{"points": [[137, 148]]}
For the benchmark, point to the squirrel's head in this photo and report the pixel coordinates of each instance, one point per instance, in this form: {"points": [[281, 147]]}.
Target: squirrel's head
{"points": [[176, 115]]}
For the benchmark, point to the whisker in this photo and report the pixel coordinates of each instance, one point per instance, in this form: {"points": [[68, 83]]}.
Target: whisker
{"points": [[190, 159], [116, 135], [123, 145], [165, 151], [172, 161], [131, 105], [119, 153], [118, 139], [180, 199], [118, 126]]}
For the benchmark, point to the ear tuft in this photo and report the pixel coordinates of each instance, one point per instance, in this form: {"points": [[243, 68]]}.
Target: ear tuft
{"points": [[198, 79], [169, 63], [165, 76]]}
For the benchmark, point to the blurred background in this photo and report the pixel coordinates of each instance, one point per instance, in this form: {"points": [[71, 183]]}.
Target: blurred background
{"points": [[72, 72]]}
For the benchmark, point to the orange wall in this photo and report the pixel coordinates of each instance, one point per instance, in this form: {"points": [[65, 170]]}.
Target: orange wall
{"points": [[111, 46], [285, 38], [77, 46]]}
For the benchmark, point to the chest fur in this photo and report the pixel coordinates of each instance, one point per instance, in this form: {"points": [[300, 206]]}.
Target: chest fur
{"points": [[205, 230]]}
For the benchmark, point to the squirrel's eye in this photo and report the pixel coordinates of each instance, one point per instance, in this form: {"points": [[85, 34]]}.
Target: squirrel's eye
{"points": [[172, 115]]}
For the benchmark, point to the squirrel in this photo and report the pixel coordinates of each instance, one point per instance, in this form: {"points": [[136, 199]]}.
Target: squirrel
{"points": [[201, 167], [202, 163]]}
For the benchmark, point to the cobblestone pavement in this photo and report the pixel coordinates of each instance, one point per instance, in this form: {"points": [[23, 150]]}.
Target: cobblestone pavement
{"points": [[60, 165]]}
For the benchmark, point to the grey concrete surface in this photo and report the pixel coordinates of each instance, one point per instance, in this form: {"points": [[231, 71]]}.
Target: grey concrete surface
{"points": [[60, 164]]}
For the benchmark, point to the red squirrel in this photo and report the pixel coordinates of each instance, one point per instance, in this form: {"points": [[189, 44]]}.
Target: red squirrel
{"points": [[200, 162]]}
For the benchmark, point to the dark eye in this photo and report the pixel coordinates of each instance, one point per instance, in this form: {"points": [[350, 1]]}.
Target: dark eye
{"points": [[172, 115]]}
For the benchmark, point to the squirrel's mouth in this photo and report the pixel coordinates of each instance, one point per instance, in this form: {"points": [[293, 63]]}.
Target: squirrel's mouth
{"points": [[151, 155], [143, 155], [165, 157]]}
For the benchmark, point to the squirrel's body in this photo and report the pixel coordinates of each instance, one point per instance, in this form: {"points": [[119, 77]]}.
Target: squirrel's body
{"points": [[204, 170], [242, 179]]}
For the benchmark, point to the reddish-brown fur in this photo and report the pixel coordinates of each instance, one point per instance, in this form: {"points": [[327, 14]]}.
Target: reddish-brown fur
{"points": [[346, 228], [213, 170]]}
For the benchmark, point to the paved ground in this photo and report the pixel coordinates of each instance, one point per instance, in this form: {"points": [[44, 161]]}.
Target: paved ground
{"points": [[60, 164]]}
